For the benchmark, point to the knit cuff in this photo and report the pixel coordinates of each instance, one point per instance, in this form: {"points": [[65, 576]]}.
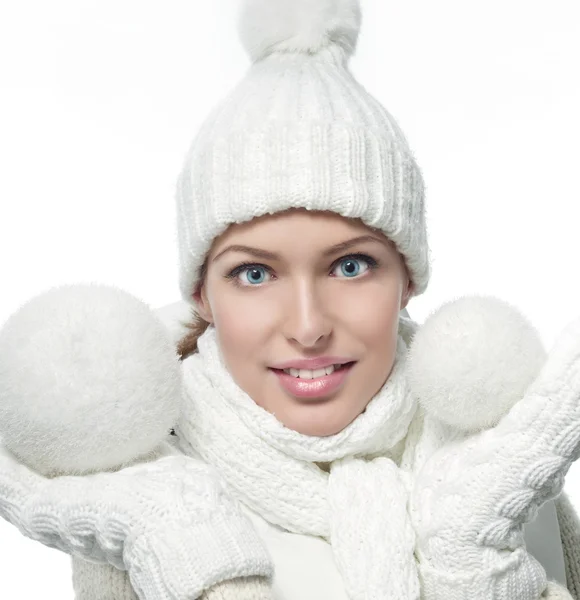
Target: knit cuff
{"points": [[241, 588], [517, 575], [182, 563], [93, 581]]}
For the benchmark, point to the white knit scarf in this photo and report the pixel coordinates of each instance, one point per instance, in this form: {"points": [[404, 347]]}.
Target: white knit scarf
{"points": [[359, 507]]}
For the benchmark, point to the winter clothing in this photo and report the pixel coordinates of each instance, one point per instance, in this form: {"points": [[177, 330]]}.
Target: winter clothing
{"points": [[93, 581], [305, 565], [69, 341], [469, 501], [67, 513], [246, 449], [268, 519], [360, 507], [299, 131], [240, 588], [170, 523], [90, 370]]}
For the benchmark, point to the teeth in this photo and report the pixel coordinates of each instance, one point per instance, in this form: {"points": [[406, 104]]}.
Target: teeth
{"points": [[309, 374]]}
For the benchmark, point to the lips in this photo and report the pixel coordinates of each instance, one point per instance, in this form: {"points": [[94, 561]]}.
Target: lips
{"points": [[314, 388]]}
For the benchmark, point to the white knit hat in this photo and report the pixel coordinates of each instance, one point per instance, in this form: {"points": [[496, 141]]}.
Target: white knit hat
{"points": [[298, 131]]}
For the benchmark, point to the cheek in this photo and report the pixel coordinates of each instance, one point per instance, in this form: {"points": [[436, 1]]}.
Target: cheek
{"points": [[233, 340], [241, 309], [241, 342], [381, 348], [372, 314], [238, 330]]}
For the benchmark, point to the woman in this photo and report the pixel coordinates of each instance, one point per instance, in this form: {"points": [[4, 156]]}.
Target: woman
{"points": [[295, 163], [290, 168], [298, 302]]}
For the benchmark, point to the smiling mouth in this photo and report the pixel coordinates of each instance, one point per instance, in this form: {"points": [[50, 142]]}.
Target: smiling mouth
{"points": [[341, 367], [318, 387]]}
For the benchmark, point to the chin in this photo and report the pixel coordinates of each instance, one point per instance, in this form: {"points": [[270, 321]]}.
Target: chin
{"points": [[319, 420]]}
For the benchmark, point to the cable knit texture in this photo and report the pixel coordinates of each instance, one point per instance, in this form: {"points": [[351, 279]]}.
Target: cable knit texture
{"points": [[570, 534], [471, 498], [408, 481], [359, 506], [127, 519], [169, 523]]}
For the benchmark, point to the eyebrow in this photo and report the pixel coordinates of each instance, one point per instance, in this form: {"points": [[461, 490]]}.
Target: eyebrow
{"points": [[267, 255]]}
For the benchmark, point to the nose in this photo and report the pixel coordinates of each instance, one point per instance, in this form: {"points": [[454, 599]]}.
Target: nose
{"points": [[306, 315]]}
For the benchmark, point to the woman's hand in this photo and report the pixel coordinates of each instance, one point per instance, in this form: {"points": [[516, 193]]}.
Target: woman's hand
{"points": [[470, 500]]}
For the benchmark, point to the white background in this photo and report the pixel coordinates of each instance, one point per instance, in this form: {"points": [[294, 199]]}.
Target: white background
{"points": [[100, 100]]}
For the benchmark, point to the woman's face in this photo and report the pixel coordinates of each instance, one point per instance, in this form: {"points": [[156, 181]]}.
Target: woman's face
{"points": [[305, 302]]}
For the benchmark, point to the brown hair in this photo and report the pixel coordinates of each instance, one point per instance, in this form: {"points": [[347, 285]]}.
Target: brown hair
{"points": [[187, 345]]}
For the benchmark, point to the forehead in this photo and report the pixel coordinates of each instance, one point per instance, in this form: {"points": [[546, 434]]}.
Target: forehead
{"points": [[287, 225]]}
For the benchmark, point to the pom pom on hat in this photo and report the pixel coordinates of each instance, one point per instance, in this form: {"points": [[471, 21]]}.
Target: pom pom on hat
{"points": [[472, 360], [268, 26]]}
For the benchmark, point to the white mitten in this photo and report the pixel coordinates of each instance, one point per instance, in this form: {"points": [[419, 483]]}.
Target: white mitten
{"points": [[170, 523], [471, 498], [89, 382]]}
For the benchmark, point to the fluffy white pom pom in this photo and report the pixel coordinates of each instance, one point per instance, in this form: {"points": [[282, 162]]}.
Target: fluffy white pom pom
{"points": [[267, 26], [472, 360], [89, 380]]}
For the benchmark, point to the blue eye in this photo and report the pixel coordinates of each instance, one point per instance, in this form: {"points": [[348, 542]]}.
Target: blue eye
{"points": [[350, 265], [254, 273]]}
